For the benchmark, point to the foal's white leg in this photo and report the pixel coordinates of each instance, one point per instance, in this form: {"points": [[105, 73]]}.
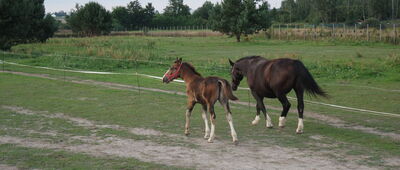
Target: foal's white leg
{"points": [[207, 128], [268, 123], [212, 134], [188, 114], [282, 121], [256, 120], [233, 132], [300, 126]]}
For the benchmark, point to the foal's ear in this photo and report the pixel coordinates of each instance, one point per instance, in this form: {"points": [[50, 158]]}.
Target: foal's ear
{"points": [[180, 59], [231, 62]]}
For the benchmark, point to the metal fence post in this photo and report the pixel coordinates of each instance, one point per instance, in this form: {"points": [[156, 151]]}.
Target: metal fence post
{"points": [[287, 31], [355, 31], [380, 32], [367, 32], [304, 32], [279, 32]]}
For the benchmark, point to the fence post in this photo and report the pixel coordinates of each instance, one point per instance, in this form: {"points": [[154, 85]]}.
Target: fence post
{"points": [[304, 32], [380, 32], [333, 30], [287, 31], [344, 31], [279, 32], [367, 32], [394, 33], [355, 31]]}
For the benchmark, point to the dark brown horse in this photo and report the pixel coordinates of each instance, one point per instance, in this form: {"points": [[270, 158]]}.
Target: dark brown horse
{"points": [[274, 79], [206, 91]]}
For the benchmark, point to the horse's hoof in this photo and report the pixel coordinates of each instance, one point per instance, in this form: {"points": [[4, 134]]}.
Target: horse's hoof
{"points": [[236, 142], [270, 127], [206, 137], [282, 127], [210, 141], [187, 133], [299, 132]]}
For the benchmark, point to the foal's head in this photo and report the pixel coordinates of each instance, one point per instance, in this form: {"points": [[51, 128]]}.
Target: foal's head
{"points": [[174, 71], [237, 75]]}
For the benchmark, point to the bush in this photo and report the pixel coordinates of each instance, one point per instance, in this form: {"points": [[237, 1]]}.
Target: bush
{"points": [[371, 22]]}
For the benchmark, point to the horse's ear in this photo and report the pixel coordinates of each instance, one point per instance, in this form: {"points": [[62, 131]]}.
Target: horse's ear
{"points": [[231, 62], [180, 59]]}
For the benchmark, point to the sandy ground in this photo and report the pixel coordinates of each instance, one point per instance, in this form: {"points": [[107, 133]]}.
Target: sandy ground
{"points": [[218, 155]]}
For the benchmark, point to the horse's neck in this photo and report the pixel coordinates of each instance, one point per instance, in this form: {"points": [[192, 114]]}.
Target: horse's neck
{"points": [[189, 76]]}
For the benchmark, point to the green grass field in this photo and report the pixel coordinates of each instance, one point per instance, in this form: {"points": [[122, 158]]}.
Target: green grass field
{"points": [[355, 74]]}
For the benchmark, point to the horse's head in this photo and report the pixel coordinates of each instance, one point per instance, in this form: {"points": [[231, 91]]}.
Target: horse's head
{"points": [[237, 75], [173, 72]]}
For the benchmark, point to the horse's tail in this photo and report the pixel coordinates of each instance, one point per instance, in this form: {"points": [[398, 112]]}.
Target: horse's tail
{"points": [[307, 81], [227, 89]]}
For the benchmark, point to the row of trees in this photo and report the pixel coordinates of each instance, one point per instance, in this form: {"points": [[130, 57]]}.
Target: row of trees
{"points": [[334, 11], [23, 21], [232, 17]]}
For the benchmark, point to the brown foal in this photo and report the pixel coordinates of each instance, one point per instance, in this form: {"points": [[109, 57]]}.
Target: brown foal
{"points": [[206, 91]]}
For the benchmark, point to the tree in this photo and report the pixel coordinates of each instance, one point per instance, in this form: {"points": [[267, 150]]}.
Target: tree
{"points": [[23, 21], [176, 8], [121, 16], [148, 14], [90, 20], [239, 17]]}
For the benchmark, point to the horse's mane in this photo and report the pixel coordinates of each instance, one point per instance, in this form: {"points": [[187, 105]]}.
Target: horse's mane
{"points": [[191, 68], [248, 58]]}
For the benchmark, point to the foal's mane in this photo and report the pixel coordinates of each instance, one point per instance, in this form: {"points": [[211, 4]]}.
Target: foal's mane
{"points": [[191, 68]]}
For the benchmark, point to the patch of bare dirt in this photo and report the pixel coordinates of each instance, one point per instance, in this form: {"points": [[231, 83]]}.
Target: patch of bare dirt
{"points": [[7, 167], [218, 155]]}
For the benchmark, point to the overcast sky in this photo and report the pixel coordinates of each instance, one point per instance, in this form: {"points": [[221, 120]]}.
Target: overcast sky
{"points": [[67, 5]]}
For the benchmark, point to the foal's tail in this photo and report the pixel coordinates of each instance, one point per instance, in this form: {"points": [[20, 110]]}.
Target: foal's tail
{"points": [[227, 89], [307, 81]]}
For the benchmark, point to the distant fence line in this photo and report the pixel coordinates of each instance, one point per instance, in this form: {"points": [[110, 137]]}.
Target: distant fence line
{"points": [[382, 33], [388, 33]]}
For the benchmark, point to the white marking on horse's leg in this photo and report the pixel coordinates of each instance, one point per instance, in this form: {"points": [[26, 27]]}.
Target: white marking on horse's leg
{"points": [[207, 128], [256, 120], [188, 113], [212, 134], [282, 121], [300, 126], [268, 122], [233, 132]]}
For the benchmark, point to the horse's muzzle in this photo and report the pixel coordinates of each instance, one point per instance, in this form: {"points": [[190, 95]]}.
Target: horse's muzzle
{"points": [[234, 87], [165, 80]]}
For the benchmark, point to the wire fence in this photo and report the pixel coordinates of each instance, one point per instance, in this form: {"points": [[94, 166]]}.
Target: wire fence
{"points": [[388, 33], [139, 88]]}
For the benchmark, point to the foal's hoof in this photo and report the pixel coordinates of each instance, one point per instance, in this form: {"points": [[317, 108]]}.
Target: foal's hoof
{"points": [[299, 132], [210, 141], [206, 137], [282, 127], [187, 133], [270, 127], [236, 142]]}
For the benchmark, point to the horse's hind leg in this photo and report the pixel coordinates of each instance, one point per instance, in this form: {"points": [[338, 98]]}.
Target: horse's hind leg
{"points": [[204, 116], [286, 106], [300, 109], [212, 120], [188, 114], [230, 121]]}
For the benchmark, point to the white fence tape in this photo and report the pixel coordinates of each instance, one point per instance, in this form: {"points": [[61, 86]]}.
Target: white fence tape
{"points": [[181, 81]]}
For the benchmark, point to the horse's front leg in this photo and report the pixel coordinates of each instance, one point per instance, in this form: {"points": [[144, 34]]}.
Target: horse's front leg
{"points": [[188, 114]]}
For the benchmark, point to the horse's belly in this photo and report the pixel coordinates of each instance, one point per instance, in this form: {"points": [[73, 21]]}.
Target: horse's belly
{"points": [[269, 95]]}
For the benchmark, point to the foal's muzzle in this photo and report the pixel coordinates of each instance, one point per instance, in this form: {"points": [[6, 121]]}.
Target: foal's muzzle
{"points": [[165, 80]]}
